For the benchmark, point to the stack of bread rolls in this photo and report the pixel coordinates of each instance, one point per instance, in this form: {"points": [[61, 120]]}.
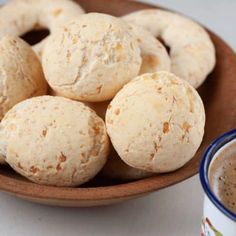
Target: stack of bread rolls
{"points": [[100, 94]]}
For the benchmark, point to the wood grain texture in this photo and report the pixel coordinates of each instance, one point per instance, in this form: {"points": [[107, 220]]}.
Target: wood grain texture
{"points": [[218, 94]]}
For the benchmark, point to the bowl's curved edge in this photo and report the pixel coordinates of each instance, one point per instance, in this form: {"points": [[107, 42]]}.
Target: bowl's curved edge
{"points": [[88, 196], [111, 194]]}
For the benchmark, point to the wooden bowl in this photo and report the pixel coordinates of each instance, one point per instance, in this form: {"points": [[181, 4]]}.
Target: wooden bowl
{"points": [[218, 94]]}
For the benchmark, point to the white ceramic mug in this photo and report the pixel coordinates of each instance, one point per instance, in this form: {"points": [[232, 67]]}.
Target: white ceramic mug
{"points": [[217, 220]]}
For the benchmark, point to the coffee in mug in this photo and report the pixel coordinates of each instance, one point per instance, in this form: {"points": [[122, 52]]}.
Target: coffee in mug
{"points": [[218, 179], [222, 176]]}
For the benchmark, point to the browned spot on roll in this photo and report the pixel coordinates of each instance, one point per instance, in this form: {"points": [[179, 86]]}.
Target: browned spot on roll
{"points": [[96, 129], [73, 174], [186, 126], [44, 133], [34, 170], [150, 61], [139, 40], [62, 158], [58, 167], [99, 89], [166, 127], [152, 156], [57, 12], [117, 111]]}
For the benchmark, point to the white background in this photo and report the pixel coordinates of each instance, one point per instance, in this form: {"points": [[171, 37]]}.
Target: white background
{"points": [[174, 211]]}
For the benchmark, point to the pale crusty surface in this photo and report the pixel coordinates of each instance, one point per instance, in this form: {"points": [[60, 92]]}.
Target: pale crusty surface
{"points": [[54, 141], [117, 169], [192, 52], [156, 122], [21, 74], [20, 16], [91, 57], [153, 53]]}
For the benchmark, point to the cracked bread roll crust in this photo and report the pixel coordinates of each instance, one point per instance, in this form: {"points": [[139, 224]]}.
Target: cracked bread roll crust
{"points": [[153, 53], [91, 58], [17, 17], [156, 122], [21, 74], [192, 52], [54, 141]]}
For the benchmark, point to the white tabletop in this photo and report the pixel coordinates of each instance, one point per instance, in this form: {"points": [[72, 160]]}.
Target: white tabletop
{"points": [[175, 211]]}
